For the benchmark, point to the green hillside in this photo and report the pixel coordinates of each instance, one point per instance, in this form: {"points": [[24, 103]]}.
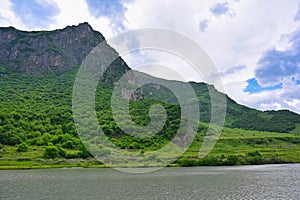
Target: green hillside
{"points": [[36, 114], [37, 127]]}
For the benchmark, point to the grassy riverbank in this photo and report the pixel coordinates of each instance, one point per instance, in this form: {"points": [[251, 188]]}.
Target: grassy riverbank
{"points": [[235, 147]]}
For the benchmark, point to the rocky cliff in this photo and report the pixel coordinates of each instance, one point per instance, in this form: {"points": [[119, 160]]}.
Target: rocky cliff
{"points": [[43, 52]]}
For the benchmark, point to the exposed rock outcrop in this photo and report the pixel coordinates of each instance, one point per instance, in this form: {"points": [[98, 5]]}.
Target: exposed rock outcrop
{"points": [[42, 52]]}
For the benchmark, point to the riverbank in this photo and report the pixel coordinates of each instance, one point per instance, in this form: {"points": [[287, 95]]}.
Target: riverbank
{"points": [[26, 163], [234, 147]]}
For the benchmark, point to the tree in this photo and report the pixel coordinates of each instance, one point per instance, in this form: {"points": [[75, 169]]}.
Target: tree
{"points": [[51, 152]]}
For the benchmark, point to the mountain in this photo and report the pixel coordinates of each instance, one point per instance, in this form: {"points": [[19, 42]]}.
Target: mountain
{"points": [[55, 52], [37, 74], [42, 52]]}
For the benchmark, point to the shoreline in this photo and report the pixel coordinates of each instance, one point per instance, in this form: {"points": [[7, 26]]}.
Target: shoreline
{"points": [[90, 164]]}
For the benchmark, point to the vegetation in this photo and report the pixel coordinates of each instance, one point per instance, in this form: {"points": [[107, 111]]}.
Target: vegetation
{"points": [[51, 152], [22, 147], [37, 128]]}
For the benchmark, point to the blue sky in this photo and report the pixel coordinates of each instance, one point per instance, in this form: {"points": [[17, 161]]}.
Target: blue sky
{"points": [[255, 44], [35, 13], [220, 9], [254, 87]]}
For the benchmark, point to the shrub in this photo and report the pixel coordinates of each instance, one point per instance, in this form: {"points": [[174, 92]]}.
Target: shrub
{"points": [[72, 154], [61, 151], [232, 160], [254, 160], [84, 153], [68, 144], [51, 152], [209, 161], [187, 162], [142, 153], [22, 147], [254, 153]]}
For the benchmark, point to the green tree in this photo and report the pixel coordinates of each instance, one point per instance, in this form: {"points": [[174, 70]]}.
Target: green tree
{"points": [[51, 152]]}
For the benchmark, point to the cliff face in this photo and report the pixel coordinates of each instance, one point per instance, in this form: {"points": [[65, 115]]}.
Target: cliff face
{"points": [[42, 52]]}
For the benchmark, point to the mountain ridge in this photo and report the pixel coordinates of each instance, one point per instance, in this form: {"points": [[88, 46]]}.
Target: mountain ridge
{"points": [[59, 51]]}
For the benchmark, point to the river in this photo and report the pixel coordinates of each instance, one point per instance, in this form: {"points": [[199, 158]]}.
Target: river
{"points": [[237, 182]]}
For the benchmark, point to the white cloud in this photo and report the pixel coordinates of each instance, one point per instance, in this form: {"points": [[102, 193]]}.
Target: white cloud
{"points": [[8, 17], [230, 41], [77, 13], [70, 14]]}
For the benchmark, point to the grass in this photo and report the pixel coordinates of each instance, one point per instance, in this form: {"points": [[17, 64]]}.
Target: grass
{"points": [[233, 141], [285, 147], [296, 130]]}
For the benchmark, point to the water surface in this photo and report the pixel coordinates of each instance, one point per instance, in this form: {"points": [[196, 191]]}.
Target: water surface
{"points": [[240, 182]]}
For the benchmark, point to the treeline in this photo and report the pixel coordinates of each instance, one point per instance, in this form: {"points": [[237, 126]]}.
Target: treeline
{"points": [[251, 158], [272, 121]]}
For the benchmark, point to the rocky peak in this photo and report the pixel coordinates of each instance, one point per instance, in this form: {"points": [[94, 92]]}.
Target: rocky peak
{"points": [[42, 52]]}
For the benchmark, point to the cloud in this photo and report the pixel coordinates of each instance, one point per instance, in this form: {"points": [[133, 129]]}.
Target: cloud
{"points": [[229, 41], [78, 13], [203, 25], [8, 17], [285, 98], [220, 9], [277, 78], [276, 66], [113, 9], [35, 14], [234, 70], [297, 17]]}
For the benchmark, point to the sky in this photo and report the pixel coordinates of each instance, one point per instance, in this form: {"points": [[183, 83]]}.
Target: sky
{"points": [[255, 45]]}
